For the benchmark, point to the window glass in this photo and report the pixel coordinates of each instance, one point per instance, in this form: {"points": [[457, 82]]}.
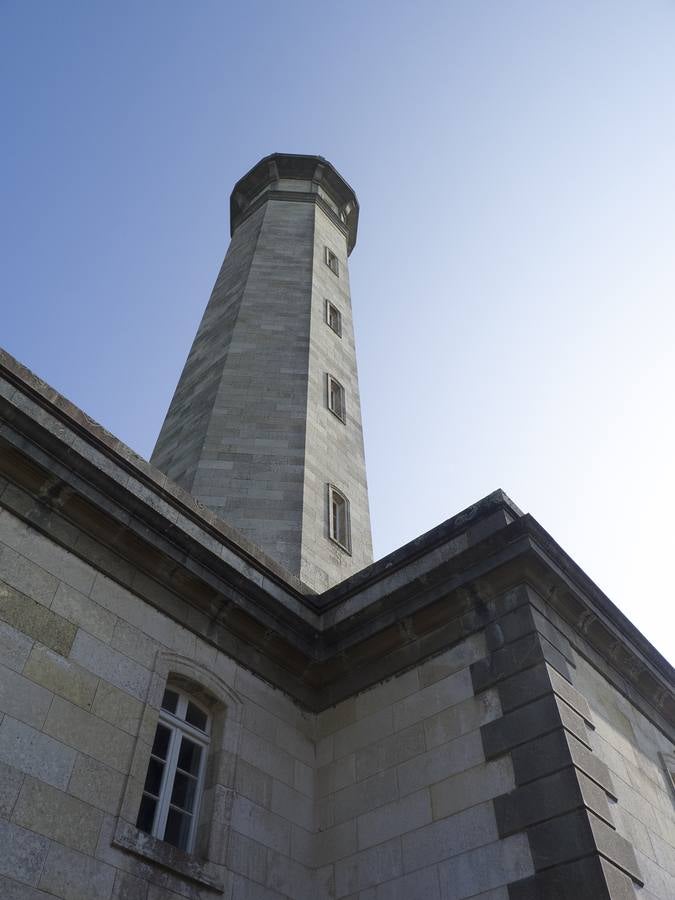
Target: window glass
{"points": [[196, 716], [190, 756], [338, 513], [153, 780], [332, 262], [160, 745], [183, 794], [334, 318], [170, 700], [336, 397], [178, 828], [146, 815]]}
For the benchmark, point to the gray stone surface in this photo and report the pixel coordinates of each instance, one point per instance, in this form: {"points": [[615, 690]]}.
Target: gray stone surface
{"points": [[35, 753], [34, 620], [70, 874], [528, 722], [22, 698], [580, 834], [61, 676], [549, 797], [79, 729], [14, 647], [585, 879], [485, 868], [11, 780], [554, 751], [14, 890], [449, 836], [23, 853], [55, 814]]}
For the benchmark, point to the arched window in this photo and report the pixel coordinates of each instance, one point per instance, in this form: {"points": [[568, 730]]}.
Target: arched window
{"points": [[174, 782], [181, 810]]}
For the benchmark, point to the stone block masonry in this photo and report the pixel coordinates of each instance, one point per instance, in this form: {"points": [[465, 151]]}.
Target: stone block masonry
{"points": [[249, 432], [345, 802], [503, 766], [466, 719]]}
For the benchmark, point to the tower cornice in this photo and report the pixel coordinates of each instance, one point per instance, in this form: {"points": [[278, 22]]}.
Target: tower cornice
{"points": [[323, 182]]}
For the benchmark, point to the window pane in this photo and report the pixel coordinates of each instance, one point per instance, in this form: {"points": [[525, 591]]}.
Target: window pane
{"points": [[153, 779], [161, 742], [170, 701], [177, 830], [146, 814], [333, 317], [195, 716], [189, 756], [183, 793], [336, 397]]}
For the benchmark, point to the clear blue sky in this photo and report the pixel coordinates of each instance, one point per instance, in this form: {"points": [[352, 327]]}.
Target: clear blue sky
{"points": [[514, 278]]}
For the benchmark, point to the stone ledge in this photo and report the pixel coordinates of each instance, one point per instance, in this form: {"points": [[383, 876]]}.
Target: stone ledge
{"points": [[128, 837]]}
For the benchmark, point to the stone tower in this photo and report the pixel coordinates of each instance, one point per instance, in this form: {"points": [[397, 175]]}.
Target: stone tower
{"points": [[265, 424]]}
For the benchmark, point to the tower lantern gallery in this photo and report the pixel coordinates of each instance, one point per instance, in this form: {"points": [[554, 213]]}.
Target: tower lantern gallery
{"points": [[265, 423]]}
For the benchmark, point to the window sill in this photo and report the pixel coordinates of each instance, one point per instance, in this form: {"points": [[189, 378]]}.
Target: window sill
{"points": [[338, 416], [128, 837], [342, 547]]}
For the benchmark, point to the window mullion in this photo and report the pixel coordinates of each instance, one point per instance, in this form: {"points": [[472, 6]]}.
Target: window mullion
{"points": [[199, 737], [167, 782], [201, 776]]}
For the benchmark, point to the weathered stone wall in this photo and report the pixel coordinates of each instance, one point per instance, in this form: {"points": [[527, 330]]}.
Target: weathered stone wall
{"points": [[180, 442], [476, 774], [404, 792], [334, 450], [630, 745], [387, 794], [79, 692], [248, 432]]}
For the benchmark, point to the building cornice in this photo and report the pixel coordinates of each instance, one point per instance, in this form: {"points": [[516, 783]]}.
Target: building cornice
{"points": [[75, 482]]}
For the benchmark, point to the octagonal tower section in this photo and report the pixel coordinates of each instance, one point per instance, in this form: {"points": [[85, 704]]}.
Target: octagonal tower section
{"points": [[265, 424]]}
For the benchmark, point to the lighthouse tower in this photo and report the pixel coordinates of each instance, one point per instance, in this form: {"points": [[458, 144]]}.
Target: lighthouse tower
{"points": [[265, 424]]}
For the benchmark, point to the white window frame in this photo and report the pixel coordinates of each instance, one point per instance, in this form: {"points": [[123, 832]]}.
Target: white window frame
{"points": [[332, 261], [333, 531], [178, 727], [340, 413], [331, 307], [205, 865]]}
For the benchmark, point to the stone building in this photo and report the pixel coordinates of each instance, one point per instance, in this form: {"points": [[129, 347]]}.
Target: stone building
{"points": [[207, 687]]}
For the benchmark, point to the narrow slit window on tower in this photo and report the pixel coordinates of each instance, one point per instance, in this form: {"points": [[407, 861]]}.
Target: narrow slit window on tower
{"points": [[338, 518], [336, 397], [174, 781], [332, 262], [334, 317]]}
